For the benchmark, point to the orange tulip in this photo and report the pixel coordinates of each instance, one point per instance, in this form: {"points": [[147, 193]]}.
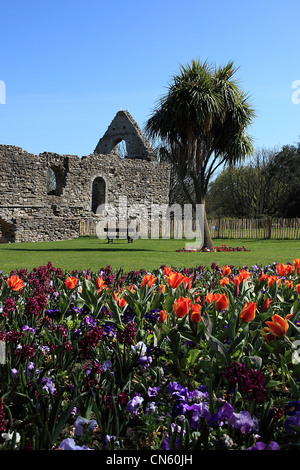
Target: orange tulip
{"points": [[100, 283], [71, 282], [167, 271], [162, 316], [221, 302], [187, 282], [289, 284], [161, 288], [298, 288], [283, 269], [195, 313], [297, 264], [278, 325], [237, 279], [210, 297], [262, 277], [148, 280], [266, 304], [15, 283], [248, 312], [224, 281], [226, 270], [175, 279], [272, 279], [181, 307], [120, 301], [244, 274], [268, 336]]}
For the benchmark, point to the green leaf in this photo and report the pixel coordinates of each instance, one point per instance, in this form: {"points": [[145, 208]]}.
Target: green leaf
{"points": [[190, 357], [216, 345]]}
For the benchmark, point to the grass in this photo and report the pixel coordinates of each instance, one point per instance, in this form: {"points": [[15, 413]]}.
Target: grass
{"points": [[91, 253]]}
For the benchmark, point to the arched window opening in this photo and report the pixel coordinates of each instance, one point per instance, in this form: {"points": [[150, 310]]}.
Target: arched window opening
{"points": [[51, 181], [56, 181], [122, 151], [98, 193], [7, 231]]}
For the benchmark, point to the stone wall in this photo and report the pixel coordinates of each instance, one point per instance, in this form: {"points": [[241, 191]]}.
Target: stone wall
{"points": [[33, 210]]}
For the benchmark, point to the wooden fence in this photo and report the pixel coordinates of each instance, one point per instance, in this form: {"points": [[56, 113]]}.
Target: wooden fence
{"points": [[256, 228], [227, 228]]}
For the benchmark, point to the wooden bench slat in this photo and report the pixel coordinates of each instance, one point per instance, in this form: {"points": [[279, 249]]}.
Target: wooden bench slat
{"points": [[118, 230]]}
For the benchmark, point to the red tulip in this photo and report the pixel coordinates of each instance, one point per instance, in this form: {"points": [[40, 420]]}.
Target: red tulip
{"points": [[148, 280], [195, 313], [224, 281], [181, 307], [226, 270], [167, 271], [15, 283], [221, 302], [248, 312], [244, 274], [210, 297], [278, 325], [71, 282], [175, 279], [266, 304], [162, 316], [100, 283]]}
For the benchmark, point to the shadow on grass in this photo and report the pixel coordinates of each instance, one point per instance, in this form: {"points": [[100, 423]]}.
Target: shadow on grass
{"points": [[96, 250]]}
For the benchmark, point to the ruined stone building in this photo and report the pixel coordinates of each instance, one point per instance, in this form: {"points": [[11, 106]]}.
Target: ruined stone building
{"points": [[55, 197]]}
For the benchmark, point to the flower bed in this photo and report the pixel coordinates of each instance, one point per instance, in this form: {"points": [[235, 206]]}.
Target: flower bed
{"points": [[213, 249], [173, 359]]}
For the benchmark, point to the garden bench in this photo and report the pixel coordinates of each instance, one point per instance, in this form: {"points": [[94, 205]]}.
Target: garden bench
{"points": [[115, 233]]}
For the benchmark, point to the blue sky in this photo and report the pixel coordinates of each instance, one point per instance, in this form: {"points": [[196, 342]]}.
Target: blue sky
{"points": [[69, 66]]}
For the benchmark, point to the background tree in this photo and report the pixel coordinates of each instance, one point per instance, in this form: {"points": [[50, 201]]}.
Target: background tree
{"points": [[268, 185], [201, 123]]}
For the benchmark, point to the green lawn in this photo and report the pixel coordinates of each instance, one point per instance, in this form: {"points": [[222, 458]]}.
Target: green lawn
{"points": [[88, 252]]}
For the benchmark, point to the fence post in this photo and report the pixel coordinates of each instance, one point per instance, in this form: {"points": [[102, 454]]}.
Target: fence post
{"points": [[269, 227]]}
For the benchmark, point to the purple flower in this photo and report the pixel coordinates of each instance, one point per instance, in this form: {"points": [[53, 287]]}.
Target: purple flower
{"points": [[292, 407], [242, 421], [89, 321], [69, 444], [145, 361], [177, 390], [153, 391], [151, 407], [261, 446], [48, 385], [113, 440], [132, 405], [107, 365], [224, 413], [199, 411], [293, 420], [28, 328], [80, 423]]}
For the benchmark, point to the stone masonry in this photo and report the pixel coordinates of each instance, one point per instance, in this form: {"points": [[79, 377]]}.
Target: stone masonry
{"points": [[55, 197]]}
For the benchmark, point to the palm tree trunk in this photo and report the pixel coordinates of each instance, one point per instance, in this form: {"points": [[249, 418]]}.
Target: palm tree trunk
{"points": [[207, 242]]}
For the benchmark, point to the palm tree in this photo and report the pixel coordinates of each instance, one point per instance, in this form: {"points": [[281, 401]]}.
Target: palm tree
{"points": [[201, 124]]}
